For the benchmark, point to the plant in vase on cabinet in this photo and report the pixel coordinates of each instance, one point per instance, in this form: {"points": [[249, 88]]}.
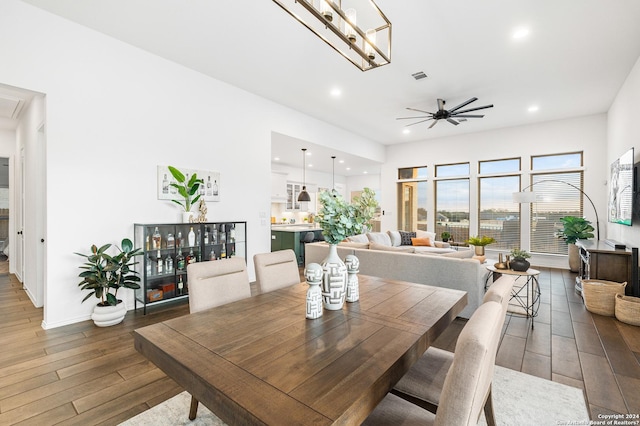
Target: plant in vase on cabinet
{"points": [[574, 229], [338, 220], [104, 273], [479, 243], [519, 260], [188, 190]]}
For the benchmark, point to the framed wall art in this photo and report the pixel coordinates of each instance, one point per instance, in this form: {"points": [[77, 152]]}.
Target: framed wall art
{"points": [[209, 190]]}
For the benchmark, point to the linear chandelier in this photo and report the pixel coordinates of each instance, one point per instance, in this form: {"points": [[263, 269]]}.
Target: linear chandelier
{"points": [[357, 29]]}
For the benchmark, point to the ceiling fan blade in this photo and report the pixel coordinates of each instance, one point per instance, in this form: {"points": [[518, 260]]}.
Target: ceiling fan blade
{"points": [[434, 123], [475, 109], [418, 122], [419, 110], [409, 118], [463, 104], [440, 104], [452, 121], [467, 115]]}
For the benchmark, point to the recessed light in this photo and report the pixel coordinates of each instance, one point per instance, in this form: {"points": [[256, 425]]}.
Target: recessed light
{"points": [[341, 161], [520, 33], [533, 108], [406, 131], [348, 168], [335, 92], [276, 158], [310, 165], [365, 172]]}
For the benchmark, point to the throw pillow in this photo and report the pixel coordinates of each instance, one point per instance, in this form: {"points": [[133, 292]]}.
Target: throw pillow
{"points": [[395, 238], [379, 237], [421, 242], [376, 246], [426, 234], [360, 238], [405, 238]]}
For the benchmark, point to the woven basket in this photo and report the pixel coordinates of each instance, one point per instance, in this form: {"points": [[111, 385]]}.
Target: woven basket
{"points": [[628, 309], [599, 296]]}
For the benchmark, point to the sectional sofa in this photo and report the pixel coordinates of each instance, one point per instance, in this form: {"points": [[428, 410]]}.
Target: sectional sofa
{"points": [[438, 266]]}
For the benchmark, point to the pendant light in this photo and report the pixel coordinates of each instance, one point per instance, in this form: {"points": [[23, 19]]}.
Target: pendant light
{"points": [[304, 195]]}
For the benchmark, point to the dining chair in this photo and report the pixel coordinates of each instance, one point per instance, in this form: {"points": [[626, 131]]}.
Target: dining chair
{"points": [[467, 386], [424, 382], [276, 270], [212, 284]]}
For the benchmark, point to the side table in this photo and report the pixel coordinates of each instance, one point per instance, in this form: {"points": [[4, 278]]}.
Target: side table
{"points": [[525, 295]]}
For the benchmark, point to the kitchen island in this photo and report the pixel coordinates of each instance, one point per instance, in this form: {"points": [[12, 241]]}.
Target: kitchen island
{"points": [[290, 236]]}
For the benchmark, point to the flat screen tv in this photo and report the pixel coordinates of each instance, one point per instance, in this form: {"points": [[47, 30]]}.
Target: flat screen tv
{"points": [[621, 189]]}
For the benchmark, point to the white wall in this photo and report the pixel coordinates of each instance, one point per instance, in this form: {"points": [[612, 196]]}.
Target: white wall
{"points": [[623, 132], [586, 134], [114, 113]]}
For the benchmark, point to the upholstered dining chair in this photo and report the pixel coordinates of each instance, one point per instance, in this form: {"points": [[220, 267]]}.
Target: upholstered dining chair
{"points": [[424, 382], [276, 270], [467, 386], [212, 284]]}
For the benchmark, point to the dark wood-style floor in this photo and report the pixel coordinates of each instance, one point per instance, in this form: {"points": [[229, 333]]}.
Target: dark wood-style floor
{"points": [[84, 375]]}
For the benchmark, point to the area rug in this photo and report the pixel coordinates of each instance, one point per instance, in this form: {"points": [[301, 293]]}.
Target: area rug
{"points": [[518, 399]]}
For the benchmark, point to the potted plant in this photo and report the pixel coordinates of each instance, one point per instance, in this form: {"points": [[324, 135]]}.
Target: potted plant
{"points": [[103, 275], [445, 236], [479, 243], [338, 220], [188, 190], [519, 260], [574, 229]]}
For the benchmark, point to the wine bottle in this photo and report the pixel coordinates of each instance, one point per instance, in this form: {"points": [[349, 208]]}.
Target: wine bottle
{"points": [[212, 255], [199, 236], [157, 239], [179, 241], [206, 235], [171, 241], [180, 263], [148, 266], [191, 258], [223, 252], [215, 188], [192, 238], [160, 263], [209, 191], [180, 285], [169, 264]]}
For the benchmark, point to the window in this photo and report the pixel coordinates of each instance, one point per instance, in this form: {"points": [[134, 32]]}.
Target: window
{"points": [[452, 208], [412, 199], [498, 215], [557, 195], [448, 170], [554, 199]]}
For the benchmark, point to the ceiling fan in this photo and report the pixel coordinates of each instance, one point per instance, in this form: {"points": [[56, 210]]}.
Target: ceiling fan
{"points": [[453, 115]]}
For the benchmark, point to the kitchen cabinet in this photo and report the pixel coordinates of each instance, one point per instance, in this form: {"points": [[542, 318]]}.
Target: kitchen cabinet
{"points": [[278, 187]]}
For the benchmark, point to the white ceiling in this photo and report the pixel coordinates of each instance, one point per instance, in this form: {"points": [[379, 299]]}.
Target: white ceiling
{"points": [[573, 62]]}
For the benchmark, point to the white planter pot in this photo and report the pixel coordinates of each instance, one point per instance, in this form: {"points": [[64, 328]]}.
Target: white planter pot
{"points": [[334, 280], [186, 217], [105, 316]]}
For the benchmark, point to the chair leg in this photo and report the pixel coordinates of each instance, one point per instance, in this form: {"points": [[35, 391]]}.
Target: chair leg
{"points": [[193, 410], [488, 410]]}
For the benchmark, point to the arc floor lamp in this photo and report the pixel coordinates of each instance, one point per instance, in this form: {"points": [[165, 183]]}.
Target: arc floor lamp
{"points": [[526, 197]]}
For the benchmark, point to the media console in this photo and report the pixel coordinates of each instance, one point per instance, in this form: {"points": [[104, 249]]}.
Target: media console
{"points": [[600, 260]]}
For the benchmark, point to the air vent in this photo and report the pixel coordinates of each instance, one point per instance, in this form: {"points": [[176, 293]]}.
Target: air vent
{"points": [[419, 75], [10, 107]]}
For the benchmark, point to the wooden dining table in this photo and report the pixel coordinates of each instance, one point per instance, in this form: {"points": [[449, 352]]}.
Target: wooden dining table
{"points": [[259, 361]]}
